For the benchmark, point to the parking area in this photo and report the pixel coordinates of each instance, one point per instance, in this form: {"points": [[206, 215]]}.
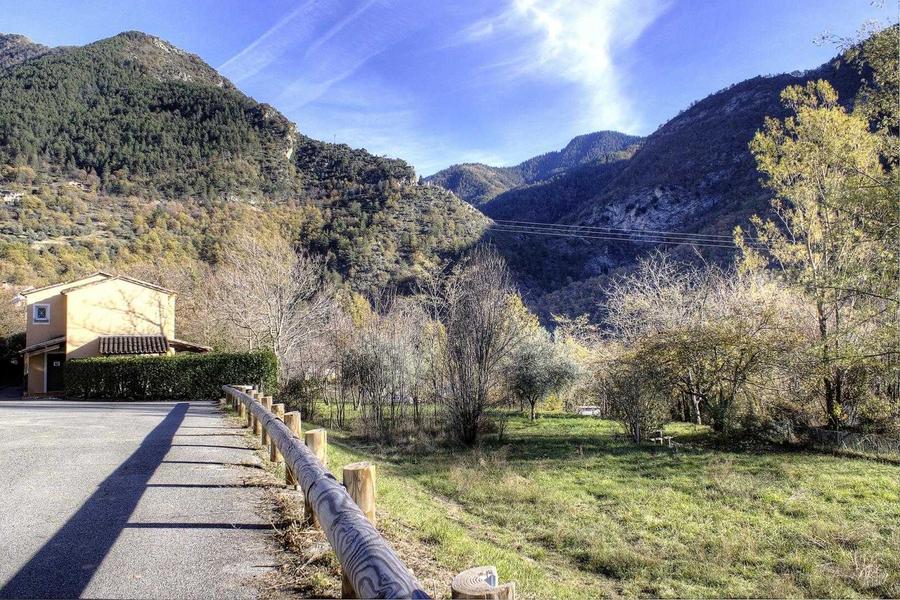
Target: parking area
{"points": [[128, 500]]}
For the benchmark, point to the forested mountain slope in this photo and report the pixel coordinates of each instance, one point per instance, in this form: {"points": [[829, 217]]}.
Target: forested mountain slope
{"points": [[132, 128], [694, 174], [478, 184]]}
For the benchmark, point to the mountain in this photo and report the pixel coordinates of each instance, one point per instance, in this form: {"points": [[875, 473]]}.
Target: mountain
{"points": [[15, 49], [137, 132], [694, 174], [478, 184]]}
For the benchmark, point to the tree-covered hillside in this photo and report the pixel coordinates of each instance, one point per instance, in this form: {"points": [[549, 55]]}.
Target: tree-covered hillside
{"points": [[134, 121], [694, 175], [478, 184]]}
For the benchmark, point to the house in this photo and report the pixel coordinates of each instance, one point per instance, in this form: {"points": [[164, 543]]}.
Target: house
{"points": [[97, 315]]}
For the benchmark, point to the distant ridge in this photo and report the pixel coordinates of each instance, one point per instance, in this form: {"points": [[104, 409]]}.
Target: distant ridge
{"points": [[478, 183], [694, 174]]}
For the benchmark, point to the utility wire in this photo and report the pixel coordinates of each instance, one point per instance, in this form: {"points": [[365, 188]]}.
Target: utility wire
{"points": [[636, 237], [700, 236]]}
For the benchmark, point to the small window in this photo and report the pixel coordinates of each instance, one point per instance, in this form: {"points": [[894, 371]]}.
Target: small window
{"points": [[41, 313]]}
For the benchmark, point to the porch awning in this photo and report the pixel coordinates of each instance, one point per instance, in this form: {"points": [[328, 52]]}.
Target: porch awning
{"points": [[183, 346], [45, 346]]}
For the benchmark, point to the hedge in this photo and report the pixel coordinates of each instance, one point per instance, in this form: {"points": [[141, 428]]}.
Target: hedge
{"points": [[173, 377]]}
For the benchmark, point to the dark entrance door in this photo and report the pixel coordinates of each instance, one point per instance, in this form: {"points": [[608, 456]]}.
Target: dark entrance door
{"points": [[55, 364]]}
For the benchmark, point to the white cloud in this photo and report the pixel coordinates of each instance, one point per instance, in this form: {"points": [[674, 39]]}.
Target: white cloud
{"points": [[320, 44], [574, 41]]}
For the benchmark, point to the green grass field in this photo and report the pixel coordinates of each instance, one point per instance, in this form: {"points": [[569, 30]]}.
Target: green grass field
{"points": [[568, 509]]}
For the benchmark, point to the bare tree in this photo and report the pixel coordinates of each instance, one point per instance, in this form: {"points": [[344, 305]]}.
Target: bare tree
{"points": [[480, 333], [712, 331], [270, 295]]}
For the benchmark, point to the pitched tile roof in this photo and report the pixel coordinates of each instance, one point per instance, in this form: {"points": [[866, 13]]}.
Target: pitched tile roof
{"points": [[133, 344]]}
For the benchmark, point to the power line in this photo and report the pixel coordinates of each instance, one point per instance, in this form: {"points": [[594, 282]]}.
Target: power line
{"points": [[610, 238], [701, 236], [637, 238]]}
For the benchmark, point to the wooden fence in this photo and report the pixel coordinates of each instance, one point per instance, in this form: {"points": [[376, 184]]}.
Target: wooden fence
{"points": [[370, 566], [346, 513]]}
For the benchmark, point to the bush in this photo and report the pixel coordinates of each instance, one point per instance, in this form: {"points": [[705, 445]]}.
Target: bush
{"points": [[303, 394], [174, 377], [10, 359]]}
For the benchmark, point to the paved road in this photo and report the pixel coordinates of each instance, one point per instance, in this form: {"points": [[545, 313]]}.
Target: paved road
{"points": [[128, 500]]}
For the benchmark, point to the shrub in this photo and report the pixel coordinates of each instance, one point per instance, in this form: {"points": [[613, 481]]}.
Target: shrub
{"points": [[303, 394], [175, 377]]}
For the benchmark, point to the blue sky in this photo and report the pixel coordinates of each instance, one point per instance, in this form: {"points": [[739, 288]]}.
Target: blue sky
{"points": [[437, 82]]}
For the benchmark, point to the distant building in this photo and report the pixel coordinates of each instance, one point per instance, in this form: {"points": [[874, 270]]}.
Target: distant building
{"points": [[97, 315]]}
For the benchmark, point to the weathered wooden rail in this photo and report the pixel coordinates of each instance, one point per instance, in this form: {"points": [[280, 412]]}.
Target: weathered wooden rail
{"points": [[370, 565]]}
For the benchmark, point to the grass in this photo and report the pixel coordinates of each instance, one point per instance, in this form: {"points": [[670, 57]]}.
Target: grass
{"points": [[569, 509]]}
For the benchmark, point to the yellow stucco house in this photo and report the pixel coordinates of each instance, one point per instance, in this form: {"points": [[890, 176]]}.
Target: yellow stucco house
{"points": [[97, 315]]}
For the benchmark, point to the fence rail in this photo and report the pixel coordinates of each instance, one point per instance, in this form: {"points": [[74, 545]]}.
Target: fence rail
{"points": [[369, 563]]}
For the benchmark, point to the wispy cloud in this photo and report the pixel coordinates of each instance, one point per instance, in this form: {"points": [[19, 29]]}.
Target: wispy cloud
{"points": [[574, 41], [453, 75], [319, 44], [272, 44]]}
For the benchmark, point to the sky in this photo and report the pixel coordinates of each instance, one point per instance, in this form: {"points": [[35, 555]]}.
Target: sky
{"points": [[438, 82]]}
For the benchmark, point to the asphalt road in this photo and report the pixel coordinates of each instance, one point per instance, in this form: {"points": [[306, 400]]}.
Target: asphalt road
{"points": [[128, 500]]}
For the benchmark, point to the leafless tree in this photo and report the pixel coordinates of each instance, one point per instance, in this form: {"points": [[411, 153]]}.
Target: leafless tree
{"points": [[474, 308], [270, 295]]}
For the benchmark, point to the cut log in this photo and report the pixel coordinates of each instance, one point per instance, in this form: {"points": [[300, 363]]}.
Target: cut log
{"points": [[481, 583]]}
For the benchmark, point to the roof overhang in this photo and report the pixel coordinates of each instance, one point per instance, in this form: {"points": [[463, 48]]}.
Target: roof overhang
{"points": [[183, 346], [45, 346]]}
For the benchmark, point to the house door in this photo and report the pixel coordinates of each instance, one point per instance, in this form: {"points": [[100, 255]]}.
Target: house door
{"points": [[55, 363]]}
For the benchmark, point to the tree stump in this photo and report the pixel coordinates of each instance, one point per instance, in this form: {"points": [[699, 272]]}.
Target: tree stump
{"points": [[481, 583]]}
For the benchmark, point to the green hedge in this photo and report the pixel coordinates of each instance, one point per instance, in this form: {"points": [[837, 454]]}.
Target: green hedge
{"points": [[174, 377]]}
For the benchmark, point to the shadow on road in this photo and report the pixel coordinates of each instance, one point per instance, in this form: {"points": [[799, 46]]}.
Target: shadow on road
{"points": [[64, 566]]}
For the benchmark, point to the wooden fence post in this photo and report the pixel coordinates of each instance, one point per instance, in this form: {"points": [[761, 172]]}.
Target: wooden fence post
{"points": [[242, 410], [274, 454], [254, 422], [292, 420], [317, 441], [264, 435], [359, 479], [251, 419], [481, 583]]}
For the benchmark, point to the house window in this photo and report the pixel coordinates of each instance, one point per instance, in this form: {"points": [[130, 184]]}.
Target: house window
{"points": [[41, 313]]}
